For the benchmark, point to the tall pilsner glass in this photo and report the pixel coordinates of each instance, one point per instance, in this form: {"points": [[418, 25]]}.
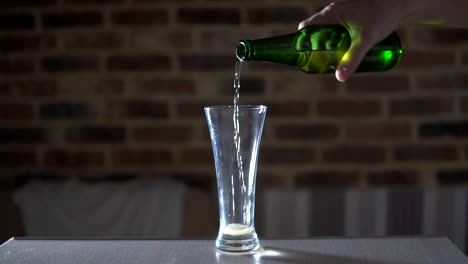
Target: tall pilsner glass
{"points": [[236, 172]]}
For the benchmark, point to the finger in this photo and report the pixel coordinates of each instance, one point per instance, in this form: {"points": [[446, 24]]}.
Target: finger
{"points": [[351, 60], [325, 16], [308, 21]]}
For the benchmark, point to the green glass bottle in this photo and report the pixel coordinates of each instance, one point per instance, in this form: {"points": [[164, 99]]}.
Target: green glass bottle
{"points": [[319, 49]]}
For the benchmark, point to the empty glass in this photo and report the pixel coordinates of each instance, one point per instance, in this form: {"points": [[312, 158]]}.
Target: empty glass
{"points": [[235, 156]]}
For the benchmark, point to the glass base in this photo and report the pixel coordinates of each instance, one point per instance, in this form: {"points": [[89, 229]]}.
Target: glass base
{"points": [[233, 242]]}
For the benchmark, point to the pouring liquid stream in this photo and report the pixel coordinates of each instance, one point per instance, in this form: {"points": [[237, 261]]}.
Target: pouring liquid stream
{"points": [[239, 172]]}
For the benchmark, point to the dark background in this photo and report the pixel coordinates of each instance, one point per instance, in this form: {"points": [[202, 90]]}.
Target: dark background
{"points": [[108, 92]]}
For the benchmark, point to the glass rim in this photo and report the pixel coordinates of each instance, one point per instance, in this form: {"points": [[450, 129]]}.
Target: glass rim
{"points": [[249, 106]]}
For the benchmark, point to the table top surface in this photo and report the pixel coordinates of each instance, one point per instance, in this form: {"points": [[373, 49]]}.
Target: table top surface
{"points": [[320, 251]]}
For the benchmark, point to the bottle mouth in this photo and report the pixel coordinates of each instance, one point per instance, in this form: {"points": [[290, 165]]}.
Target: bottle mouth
{"points": [[242, 51]]}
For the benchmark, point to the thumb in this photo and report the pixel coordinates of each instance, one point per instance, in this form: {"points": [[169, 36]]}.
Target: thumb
{"points": [[351, 59]]}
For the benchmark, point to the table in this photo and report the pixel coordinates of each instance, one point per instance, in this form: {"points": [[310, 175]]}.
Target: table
{"points": [[320, 251]]}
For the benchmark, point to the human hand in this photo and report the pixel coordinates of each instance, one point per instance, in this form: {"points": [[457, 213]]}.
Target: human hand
{"points": [[367, 21]]}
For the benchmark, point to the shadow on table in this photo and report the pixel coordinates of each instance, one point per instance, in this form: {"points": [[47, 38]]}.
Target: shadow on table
{"points": [[279, 255]]}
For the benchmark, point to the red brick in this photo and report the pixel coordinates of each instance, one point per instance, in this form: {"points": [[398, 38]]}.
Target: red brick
{"points": [[5, 89], [22, 135], [193, 108], [443, 129], [197, 155], [17, 159], [16, 65], [111, 86], [278, 15], [16, 111], [304, 85], [290, 108], [272, 181], [354, 154], [331, 179], [163, 133], [393, 177], [378, 131], [301, 132], [65, 110], [164, 85], [205, 133], [141, 157], [26, 3], [420, 152], [69, 63], [93, 2], [179, 38], [147, 109], [370, 84], [453, 177], [25, 43], [249, 86], [93, 40], [206, 62], [35, 87], [442, 36], [73, 158], [349, 107], [421, 106], [464, 104], [426, 59], [465, 58], [166, 39], [70, 19], [95, 134], [286, 155], [15, 22], [208, 16], [135, 63], [144, 2], [140, 17], [217, 40], [443, 81], [91, 86]]}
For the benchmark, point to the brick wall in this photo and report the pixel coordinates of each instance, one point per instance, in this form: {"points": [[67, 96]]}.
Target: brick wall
{"points": [[116, 88]]}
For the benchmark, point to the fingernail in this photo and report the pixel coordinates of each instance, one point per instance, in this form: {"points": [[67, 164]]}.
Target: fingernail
{"points": [[340, 74]]}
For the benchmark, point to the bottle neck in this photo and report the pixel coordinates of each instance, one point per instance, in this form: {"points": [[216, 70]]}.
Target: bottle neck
{"points": [[276, 49], [244, 50]]}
